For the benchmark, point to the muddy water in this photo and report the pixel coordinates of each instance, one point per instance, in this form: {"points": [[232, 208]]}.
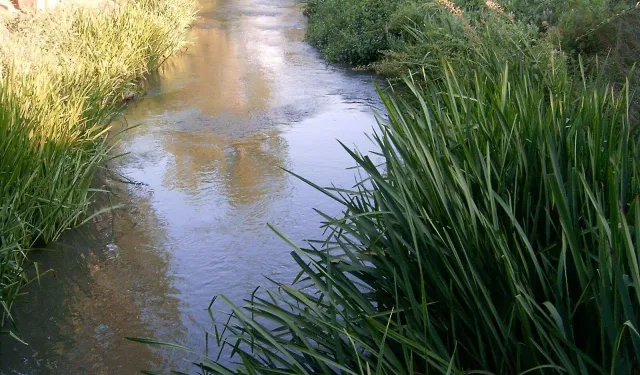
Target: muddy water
{"points": [[205, 176]]}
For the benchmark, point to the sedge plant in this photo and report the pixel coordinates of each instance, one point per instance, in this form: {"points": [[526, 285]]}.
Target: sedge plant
{"points": [[499, 235], [65, 74]]}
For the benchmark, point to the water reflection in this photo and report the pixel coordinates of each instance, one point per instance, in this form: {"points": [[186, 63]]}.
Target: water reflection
{"points": [[236, 65], [239, 166]]}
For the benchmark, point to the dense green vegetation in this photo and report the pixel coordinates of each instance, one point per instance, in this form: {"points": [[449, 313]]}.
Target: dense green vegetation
{"points": [[395, 36], [500, 232], [65, 74]]}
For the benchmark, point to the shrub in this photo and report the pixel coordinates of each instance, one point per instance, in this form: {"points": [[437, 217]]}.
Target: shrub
{"points": [[603, 29], [381, 34], [352, 32], [395, 37]]}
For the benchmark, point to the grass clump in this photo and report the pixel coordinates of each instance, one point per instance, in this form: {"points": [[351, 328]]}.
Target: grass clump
{"points": [[422, 34], [65, 75], [499, 235]]}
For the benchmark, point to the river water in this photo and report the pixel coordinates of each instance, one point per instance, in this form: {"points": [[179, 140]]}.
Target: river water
{"points": [[217, 126]]}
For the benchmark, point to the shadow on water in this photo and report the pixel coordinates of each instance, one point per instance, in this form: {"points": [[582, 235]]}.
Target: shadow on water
{"points": [[76, 318], [219, 123]]}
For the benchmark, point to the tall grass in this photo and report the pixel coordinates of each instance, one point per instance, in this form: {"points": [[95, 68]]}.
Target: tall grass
{"points": [[500, 235], [65, 74]]}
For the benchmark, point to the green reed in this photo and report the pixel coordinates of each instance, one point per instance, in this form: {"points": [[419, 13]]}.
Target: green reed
{"points": [[65, 75], [499, 235]]}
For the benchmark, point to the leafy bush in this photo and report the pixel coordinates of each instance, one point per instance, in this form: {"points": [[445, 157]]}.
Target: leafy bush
{"points": [[382, 34], [352, 32], [499, 235], [395, 37]]}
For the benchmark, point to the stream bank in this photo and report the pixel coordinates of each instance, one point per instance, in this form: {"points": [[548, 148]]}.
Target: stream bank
{"points": [[218, 124]]}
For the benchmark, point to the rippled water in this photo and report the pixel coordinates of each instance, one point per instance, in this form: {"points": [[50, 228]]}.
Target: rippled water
{"points": [[217, 126]]}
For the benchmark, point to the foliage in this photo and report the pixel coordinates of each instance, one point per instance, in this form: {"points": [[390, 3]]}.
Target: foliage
{"points": [[499, 235], [65, 74], [606, 30], [352, 32], [598, 30], [418, 44]]}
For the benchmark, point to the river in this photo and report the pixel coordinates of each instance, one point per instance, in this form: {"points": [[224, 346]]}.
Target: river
{"points": [[218, 124]]}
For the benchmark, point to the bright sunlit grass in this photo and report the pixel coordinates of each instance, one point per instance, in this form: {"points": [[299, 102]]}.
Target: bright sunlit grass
{"points": [[65, 74]]}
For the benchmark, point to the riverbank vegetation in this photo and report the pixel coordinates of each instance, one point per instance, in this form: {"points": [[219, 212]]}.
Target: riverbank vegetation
{"points": [[496, 230], [65, 75], [395, 36]]}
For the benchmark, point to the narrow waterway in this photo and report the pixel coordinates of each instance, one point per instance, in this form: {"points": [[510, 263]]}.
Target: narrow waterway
{"points": [[217, 126]]}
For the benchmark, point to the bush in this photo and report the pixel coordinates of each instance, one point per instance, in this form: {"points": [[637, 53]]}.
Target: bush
{"points": [[499, 235], [382, 34], [352, 32], [395, 37], [603, 30]]}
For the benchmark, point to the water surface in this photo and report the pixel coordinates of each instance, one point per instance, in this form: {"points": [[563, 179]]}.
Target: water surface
{"points": [[205, 172]]}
